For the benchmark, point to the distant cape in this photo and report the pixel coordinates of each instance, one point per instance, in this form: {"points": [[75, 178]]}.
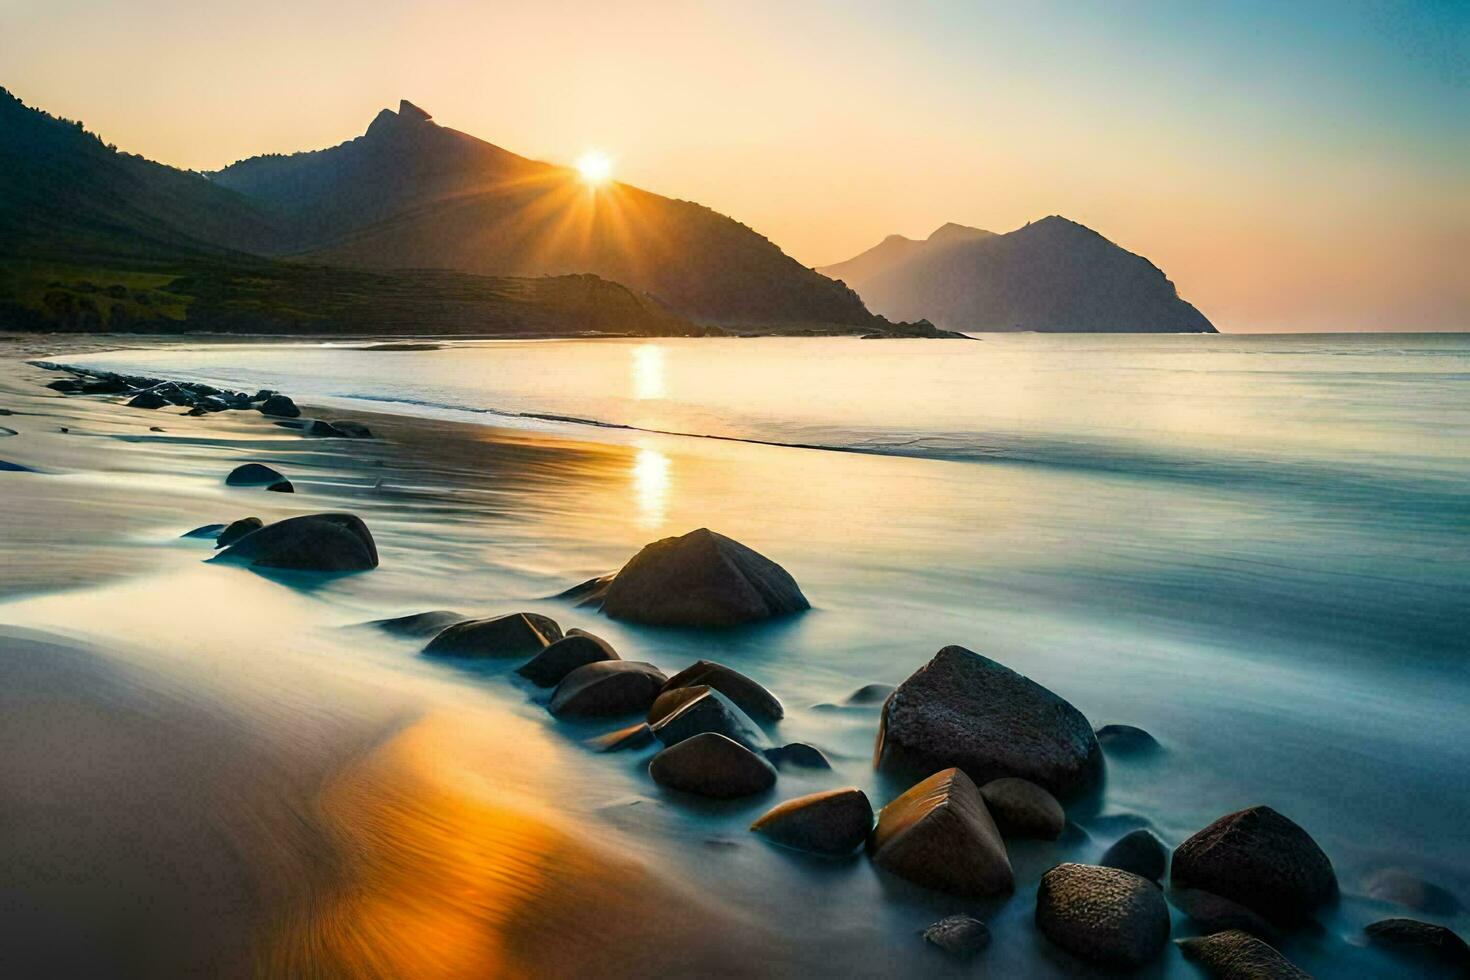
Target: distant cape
{"points": [[1052, 275]]}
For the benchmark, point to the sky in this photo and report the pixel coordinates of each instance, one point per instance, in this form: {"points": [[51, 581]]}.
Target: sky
{"points": [[1290, 165]]}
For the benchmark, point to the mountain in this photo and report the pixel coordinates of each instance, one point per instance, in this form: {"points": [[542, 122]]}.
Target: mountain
{"points": [[409, 193], [1052, 275]]}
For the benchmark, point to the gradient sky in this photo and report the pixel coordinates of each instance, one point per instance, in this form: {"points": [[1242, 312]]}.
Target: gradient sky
{"points": [[1290, 165]]}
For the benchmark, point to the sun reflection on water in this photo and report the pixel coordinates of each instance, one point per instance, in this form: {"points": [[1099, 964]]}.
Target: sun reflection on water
{"points": [[650, 472], [648, 372]]}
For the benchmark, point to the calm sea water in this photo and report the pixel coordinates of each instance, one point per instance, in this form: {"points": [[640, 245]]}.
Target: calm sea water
{"points": [[1258, 548]]}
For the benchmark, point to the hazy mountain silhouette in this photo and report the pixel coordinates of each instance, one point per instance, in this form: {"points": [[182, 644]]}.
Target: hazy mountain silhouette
{"points": [[409, 193], [1051, 275]]}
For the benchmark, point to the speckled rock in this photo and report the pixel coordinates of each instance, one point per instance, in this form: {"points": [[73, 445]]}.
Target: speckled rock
{"points": [[1102, 915], [1237, 955], [753, 699], [514, 635], [940, 835], [833, 822], [959, 935], [965, 710], [1020, 808], [1262, 860], [607, 688], [559, 659], [1140, 852], [711, 765]]}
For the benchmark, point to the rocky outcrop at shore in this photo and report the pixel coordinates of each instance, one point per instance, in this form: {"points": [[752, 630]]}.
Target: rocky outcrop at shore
{"points": [[965, 710], [698, 579]]}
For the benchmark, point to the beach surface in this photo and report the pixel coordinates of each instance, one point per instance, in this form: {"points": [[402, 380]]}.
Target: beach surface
{"points": [[213, 770]]}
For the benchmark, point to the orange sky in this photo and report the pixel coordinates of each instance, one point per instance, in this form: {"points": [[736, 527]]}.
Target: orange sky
{"points": [[1299, 170]]}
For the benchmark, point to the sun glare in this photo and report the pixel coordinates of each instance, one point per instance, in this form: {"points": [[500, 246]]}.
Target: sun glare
{"points": [[595, 168]]}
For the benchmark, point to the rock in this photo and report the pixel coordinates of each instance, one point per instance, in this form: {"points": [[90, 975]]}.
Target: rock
{"points": [[1102, 915], [514, 635], [1140, 852], [280, 406], [1211, 913], [285, 486], [353, 430], [670, 700], [959, 935], [66, 385], [104, 386], [422, 624], [797, 754], [1125, 739], [212, 404], [1411, 934], [939, 834], [710, 711], [155, 428], [205, 531], [1236, 955], [315, 542], [710, 765], [148, 399], [699, 579], [549, 627], [1260, 859], [877, 694], [8, 467], [559, 659], [751, 697], [834, 822], [1402, 888], [635, 736], [322, 429], [1020, 808], [253, 475], [237, 530], [965, 710], [609, 687]]}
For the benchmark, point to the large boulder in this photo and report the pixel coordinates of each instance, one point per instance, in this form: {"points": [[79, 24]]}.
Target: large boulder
{"points": [[939, 834], [1137, 851], [607, 688], [280, 406], [315, 543], [833, 822], [574, 650], [515, 635], [752, 698], [1020, 808], [254, 475], [237, 530], [419, 625], [1102, 915], [1260, 859], [965, 710], [1413, 936], [711, 765], [1236, 955], [711, 711], [699, 579]]}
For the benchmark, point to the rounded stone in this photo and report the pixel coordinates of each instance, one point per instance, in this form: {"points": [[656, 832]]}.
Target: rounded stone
{"points": [[836, 821], [1020, 808], [314, 542], [1102, 915], [551, 665], [711, 765], [514, 635], [752, 698], [1140, 852], [959, 935], [607, 688]]}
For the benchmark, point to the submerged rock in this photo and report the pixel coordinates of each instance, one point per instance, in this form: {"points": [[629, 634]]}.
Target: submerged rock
{"points": [[205, 531], [699, 579], [1140, 852], [606, 688], [1262, 860], [1402, 888], [237, 530], [422, 624], [833, 822], [1020, 808], [959, 935], [633, 737], [1422, 937], [877, 694], [65, 385], [965, 710], [280, 406], [1236, 955], [559, 659], [285, 486], [315, 542], [353, 430], [254, 475], [1126, 739], [1212, 913], [514, 635], [797, 754], [711, 711], [1102, 915], [711, 765], [752, 698], [939, 834]]}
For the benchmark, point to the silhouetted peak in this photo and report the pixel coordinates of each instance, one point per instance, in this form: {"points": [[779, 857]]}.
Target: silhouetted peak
{"points": [[896, 239], [383, 121], [952, 232], [408, 112], [408, 116], [1055, 224]]}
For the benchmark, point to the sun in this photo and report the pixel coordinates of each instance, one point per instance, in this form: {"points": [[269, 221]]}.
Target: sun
{"points": [[595, 168]]}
